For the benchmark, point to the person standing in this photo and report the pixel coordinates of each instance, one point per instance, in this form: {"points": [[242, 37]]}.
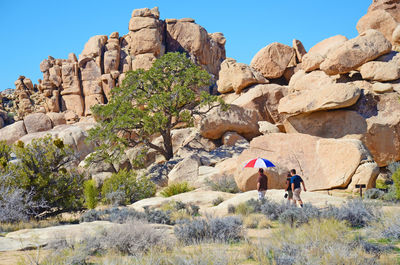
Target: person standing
{"points": [[295, 181], [289, 191], [262, 184]]}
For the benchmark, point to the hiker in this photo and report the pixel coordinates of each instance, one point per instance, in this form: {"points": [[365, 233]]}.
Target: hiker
{"points": [[262, 184], [295, 181], [289, 192]]}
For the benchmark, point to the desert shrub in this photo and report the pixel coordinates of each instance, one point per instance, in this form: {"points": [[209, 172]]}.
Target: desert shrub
{"points": [[231, 209], [17, 205], [176, 188], [134, 188], [45, 169], [381, 184], [76, 255], [317, 242], [115, 215], [390, 195], [91, 194], [273, 210], [396, 182], [356, 213], [296, 216], [256, 220], [158, 216], [226, 229], [223, 183], [5, 154], [178, 210], [217, 201], [90, 216], [248, 207], [116, 198], [374, 194]]}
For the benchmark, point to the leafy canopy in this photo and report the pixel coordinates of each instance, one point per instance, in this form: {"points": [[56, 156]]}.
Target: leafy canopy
{"points": [[148, 103]]}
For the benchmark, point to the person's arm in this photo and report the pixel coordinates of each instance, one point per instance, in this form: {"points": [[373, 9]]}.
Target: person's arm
{"points": [[304, 186], [287, 185], [293, 187], [258, 183]]}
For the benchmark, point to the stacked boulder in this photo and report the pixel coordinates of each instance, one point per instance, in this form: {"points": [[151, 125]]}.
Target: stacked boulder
{"points": [[76, 85]]}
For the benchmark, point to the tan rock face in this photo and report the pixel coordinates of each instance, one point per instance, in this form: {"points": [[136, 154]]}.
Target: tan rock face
{"points": [[207, 50], [317, 54], [391, 6], [322, 163], [272, 60], [235, 119], [37, 122], [71, 86], [366, 47], [328, 124], [380, 20], [231, 138], [300, 50], [235, 76], [383, 133], [186, 170], [380, 71], [143, 61], [335, 96], [13, 132], [382, 87], [56, 118], [313, 80], [365, 174], [264, 99]]}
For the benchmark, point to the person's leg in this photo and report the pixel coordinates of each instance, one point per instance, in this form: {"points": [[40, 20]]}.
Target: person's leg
{"points": [[261, 194]]}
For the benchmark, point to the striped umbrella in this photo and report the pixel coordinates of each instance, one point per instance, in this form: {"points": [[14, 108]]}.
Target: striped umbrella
{"points": [[259, 163]]}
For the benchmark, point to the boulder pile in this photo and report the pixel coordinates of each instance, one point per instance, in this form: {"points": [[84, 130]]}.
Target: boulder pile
{"points": [[333, 113]]}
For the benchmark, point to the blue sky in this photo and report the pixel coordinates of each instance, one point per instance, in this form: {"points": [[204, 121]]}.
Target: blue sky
{"points": [[32, 30]]}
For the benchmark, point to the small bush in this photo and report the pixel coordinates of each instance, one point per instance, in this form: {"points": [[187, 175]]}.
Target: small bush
{"points": [[158, 216], [231, 209], [226, 229], [296, 216], [390, 195], [256, 220], [133, 187], [116, 198], [374, 194], [355, 212], [91, 194], [217, 201], [114, 215], [381, 184], [176, 188], [224, 184], [396, 182]]}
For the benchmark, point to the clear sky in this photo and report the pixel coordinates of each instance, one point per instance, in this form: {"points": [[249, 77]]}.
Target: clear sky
{"points": [[32, 30]]}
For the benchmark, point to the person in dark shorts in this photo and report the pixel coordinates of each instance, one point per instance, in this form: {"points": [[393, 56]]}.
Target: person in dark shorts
{"points": [[289, 188], [295, 181], [262, 184]]}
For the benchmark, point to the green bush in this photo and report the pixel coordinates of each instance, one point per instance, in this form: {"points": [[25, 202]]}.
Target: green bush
{"points": [[396, 182], [224, 184], [91, 194], [176, 188], [45, 169], [381, 184], [5, 154], [132, 187]]}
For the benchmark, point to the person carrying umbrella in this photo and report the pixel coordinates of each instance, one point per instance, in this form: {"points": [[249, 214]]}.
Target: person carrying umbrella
{"points": [[262, 184]]}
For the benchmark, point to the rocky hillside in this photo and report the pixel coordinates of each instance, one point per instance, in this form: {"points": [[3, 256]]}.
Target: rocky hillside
{"points": [[333, 112]]}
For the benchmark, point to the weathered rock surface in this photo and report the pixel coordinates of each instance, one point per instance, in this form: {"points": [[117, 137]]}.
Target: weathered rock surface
{"points": [[13, 132], [37, 122], [186, 170], [335, 96], [236, 119], [323, 163], [365, 174], [299, 49], [235, 76], [262, 98], [73, 135], [328, 124], [207, 50], [317, 54], [380, 71], [364, 48], [313, 80], [272, 60], [380, 20]]}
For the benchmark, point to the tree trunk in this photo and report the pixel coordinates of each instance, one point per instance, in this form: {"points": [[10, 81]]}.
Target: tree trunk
{"points": [[169, 152]]}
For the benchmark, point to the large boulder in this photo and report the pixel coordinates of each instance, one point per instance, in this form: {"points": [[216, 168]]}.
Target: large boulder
{"points": [[383, 133], [328, 124], [37, 122], [272, 60], [335, 96], [262, 98], [186, 170], [391, 6], [380, 71], [73, 135], [13, 132], [207, 50], [366, 47], [380, 20], [317, 54], [236, 119], [235, 76], [323, 163], [313, 80]]}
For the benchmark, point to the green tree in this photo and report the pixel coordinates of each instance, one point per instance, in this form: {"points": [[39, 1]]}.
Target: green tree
{"points": [[91, 193], [148, 103]]}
